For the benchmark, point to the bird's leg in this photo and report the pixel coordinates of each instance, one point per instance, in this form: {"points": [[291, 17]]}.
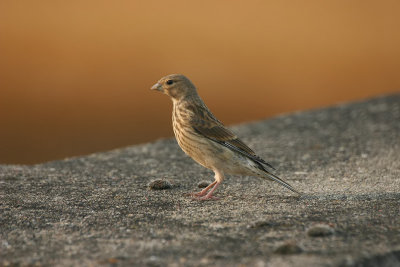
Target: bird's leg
{"points": [[205, 190], [219, 177], [210, 194]]}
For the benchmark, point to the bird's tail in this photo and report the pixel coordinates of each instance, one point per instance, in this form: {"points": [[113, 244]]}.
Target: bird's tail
{"points": [[275, 178]]}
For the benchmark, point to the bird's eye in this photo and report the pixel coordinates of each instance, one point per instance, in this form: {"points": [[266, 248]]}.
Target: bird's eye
{"points": [[169, 82]]}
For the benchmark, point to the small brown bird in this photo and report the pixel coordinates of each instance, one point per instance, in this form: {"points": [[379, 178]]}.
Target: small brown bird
{"points": [[206, 140]]}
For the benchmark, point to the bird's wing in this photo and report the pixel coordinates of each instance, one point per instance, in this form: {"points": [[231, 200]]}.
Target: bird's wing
{"points": [[205, 123]]}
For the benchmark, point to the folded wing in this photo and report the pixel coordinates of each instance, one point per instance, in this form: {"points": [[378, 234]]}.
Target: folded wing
{"points": [[205, 123]]}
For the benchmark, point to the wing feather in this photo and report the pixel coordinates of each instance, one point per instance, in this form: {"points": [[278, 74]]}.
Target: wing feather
{"points": [[205, 123]]}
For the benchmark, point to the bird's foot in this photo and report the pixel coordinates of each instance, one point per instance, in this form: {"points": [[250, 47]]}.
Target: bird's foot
{"points": [[202, 197], [205, 194], [199, 194], [195, 194]]}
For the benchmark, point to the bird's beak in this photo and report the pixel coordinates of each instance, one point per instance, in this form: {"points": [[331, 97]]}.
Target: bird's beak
{"points": [[157, 87]]}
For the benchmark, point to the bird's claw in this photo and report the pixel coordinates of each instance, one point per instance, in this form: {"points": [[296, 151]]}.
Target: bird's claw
{"points": [[194, 195], [198, 194]]}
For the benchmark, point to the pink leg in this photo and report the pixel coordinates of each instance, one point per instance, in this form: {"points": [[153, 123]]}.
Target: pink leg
{"points": [[219, 177], [204, 191], [210, 194]]}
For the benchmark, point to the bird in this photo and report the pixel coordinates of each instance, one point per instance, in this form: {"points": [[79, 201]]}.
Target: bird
{"points": [[207, 141]]}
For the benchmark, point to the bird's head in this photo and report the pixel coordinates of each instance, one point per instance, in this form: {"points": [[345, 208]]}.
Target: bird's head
{"points": [[177, 86]]}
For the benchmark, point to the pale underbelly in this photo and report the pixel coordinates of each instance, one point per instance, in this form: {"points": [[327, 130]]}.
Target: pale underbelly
{"points": [[214, 156]]}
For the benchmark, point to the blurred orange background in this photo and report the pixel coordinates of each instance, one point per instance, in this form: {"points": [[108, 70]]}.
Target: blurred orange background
{"points": [[75, 75]]}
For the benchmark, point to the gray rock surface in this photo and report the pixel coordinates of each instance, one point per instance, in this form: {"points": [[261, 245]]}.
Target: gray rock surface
{"points": [[99, 210]]}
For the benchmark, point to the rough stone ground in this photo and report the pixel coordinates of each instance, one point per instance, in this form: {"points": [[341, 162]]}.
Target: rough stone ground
{"points": [[98, 210]]}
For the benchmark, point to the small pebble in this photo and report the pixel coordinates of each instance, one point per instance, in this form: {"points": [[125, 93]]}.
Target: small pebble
{"points": [[289, 247], [320, 230], [203, 184], [160, 184]]}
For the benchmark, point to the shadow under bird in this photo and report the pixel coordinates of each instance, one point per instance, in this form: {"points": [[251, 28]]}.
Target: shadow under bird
{"points": [[206, 140]]}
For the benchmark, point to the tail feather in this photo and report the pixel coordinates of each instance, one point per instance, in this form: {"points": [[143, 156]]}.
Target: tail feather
{"points": [[280, 181]]}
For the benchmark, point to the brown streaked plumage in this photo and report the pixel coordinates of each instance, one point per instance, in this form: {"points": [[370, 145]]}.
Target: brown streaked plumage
{"points": [[205, 139]]}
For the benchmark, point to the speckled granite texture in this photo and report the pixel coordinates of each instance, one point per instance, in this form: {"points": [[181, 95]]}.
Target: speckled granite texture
{"points": [[98, 209]]}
